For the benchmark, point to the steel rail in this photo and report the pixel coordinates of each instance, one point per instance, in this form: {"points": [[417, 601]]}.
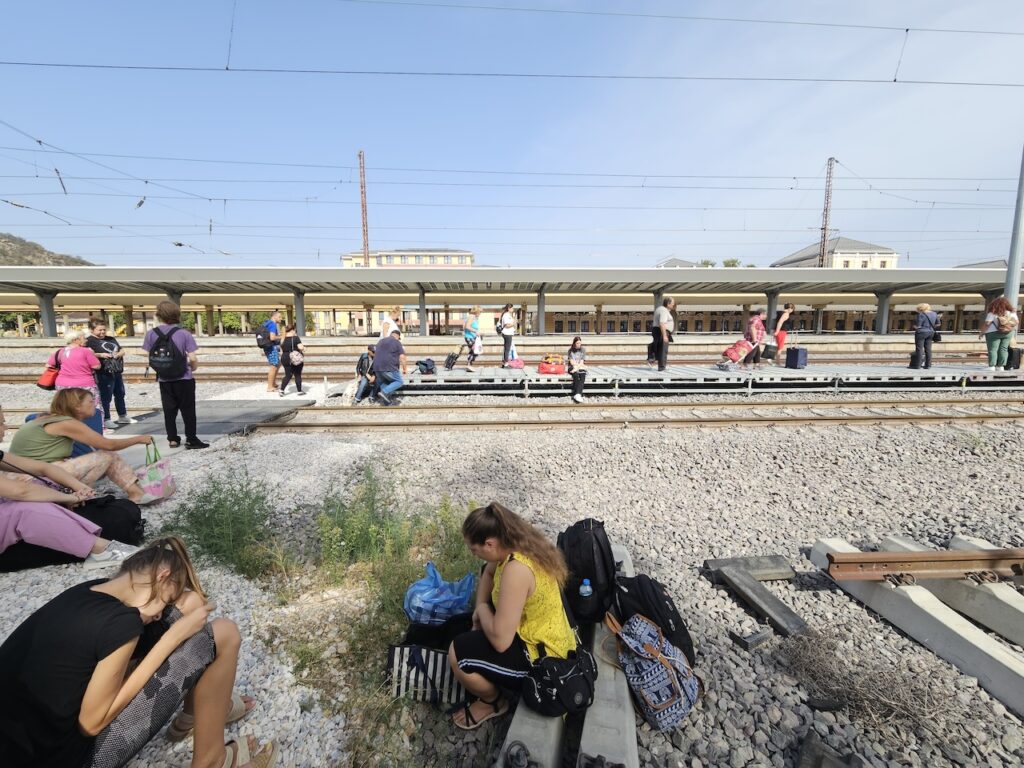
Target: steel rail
{"points": [[942, 564], [404, 424]]}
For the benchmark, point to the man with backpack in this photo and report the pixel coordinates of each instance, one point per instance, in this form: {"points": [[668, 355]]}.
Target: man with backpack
{"points": [[172, 356], [268, 338]]}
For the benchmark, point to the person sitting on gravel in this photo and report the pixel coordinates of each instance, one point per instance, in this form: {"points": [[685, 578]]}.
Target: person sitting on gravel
{"points": [[38, 514], [49, 439], [388, 358], [576, 358], [364, 372], [518, 608], [130, 650]]}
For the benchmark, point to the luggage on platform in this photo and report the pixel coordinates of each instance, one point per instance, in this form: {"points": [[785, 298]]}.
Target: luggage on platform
{"points": [[915, 360], [426, 367], [796, 357], [452, 359], [1013, 359], [770, 351], [551, 369], [588, 555], [738, 351]]}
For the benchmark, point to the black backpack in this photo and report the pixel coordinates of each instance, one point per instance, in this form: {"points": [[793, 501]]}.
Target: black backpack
{"points": [[167, 361], [588, 554], [263, 340], [426, 367], [646, 596]]}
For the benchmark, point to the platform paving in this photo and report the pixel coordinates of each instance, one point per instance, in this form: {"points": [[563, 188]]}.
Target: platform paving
{"points": [[677, 379]]}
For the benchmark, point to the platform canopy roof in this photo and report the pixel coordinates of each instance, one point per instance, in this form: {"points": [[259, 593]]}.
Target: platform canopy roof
{"points": [[498, 280]]}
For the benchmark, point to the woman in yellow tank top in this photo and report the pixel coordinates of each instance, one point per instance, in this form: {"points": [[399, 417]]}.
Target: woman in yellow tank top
{"points": [[518, 611]]}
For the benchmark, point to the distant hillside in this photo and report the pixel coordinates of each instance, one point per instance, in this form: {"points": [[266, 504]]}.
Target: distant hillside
{"points": [[15, 252]]}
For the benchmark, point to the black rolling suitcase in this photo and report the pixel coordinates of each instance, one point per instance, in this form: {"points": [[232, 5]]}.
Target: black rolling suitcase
{"points": [[452, 359], [915, 360], [796, 357], [1013, 359]]}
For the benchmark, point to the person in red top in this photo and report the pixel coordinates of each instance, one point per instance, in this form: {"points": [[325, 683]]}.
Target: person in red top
{"points": [[755, 334]]}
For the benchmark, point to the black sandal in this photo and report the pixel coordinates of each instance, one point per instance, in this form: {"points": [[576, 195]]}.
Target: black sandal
{"points": [[176, 443], [471, 723]]}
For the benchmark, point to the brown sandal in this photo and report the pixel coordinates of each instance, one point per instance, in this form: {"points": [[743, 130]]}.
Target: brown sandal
{"points": [[240, 757], [181, 726]]}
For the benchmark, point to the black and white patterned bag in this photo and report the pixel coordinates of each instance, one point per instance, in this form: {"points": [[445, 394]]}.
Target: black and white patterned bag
{"points": [[423, 674]]}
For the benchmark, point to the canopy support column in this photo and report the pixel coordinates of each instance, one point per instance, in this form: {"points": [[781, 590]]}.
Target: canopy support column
{"points": [[542, 297], [47, 317], [424, 320], [882, 313], [299, 300]]}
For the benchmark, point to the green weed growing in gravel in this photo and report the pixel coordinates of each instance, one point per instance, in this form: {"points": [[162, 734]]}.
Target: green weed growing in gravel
{"points": [[228, 521]]}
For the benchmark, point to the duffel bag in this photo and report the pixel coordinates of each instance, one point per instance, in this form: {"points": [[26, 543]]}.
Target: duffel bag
{"points": [[552, 369]]}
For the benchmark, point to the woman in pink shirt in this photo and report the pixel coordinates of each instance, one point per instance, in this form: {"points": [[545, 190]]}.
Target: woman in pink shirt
{"points": [[77, 366]]}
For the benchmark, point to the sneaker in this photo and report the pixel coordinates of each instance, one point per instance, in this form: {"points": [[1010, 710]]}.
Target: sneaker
{"points": [[470, 369], [196, 444], [115, 554], [126, 420], [300, 392], [109, 424], [991, 368], [280, 392], [578, 398], [384, 398]]}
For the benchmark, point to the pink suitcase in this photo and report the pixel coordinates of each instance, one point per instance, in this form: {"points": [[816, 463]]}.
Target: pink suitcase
{"points": [[738, 351]]}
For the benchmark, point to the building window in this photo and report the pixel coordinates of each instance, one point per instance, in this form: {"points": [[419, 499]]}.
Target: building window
{"points": [[864, 265], [636, 326], [559, 326], [698, 326], [572, 326], [462, 259], [584, 326], [714, 325], [882, 264], [419, 259], [649, 325], [389, 259], [683, 325], [403, 258], [610, 326], [447, 259], [846, 264], [623, 326]]}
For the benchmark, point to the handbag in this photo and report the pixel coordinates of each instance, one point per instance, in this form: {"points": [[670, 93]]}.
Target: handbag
{"points": [[556, 687], [423, 674], [48, 378], [112, 365], [155, 477], [936, 335]]}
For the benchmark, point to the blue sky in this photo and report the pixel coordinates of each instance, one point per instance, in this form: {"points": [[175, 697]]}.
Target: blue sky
{"points": [[641, 141]]}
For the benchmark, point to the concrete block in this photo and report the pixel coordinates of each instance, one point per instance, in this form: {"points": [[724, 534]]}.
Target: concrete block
{"points": [[996, 606], [761, 567], [541, 735], [783, 618], [609, 728], [939, 628]]}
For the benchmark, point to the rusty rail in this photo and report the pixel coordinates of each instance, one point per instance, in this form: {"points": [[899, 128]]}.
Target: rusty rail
{"points": [[941, 564]]}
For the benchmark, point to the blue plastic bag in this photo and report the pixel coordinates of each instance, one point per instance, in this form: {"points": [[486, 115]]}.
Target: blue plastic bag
{"points": [[432, 600]]}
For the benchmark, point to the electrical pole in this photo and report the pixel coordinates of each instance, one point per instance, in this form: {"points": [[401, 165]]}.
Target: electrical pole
{"points": [[1011, 289], [823, 248], [362, 196]]}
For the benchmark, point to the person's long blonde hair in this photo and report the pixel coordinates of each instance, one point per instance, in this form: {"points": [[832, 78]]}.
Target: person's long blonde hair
{"points": [[67, 401], [512, 532], [170, 553]]}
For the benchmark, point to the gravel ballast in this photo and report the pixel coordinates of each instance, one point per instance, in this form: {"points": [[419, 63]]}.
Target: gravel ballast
{"points": [[674, 498]]}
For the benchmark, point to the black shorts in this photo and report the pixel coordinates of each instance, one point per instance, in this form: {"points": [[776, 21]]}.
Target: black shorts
{"points": [[506, 670]]}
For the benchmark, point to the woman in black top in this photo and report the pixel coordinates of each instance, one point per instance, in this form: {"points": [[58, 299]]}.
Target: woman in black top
{"points": [[93, 675], [110, 376], [292, 356]]}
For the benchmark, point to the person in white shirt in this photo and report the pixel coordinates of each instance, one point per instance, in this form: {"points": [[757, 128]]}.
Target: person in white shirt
{"points": [[507, 324], [661, 333], [391, 322]]}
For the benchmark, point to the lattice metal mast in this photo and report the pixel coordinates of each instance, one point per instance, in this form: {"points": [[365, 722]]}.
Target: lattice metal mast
{"points": [[823, 248], [362, 197]]}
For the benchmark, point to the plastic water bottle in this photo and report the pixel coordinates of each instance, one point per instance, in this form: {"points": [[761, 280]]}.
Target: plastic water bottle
{"points": [[585, 589]]}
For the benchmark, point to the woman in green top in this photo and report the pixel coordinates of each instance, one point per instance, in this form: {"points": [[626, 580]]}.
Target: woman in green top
{"points": [[49, 438], [518, 609]]}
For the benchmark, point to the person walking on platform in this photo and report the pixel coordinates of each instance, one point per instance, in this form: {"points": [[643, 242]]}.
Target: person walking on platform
{"points": [[391, 322], [471, 337], [576, 358], [387, 361], [293, 359], [662, 326], [272, 327], [755, 334], [507, 328], [178, 393], [367, 378], [925, 325], [997, 329], [783, 326], [110, 376]]}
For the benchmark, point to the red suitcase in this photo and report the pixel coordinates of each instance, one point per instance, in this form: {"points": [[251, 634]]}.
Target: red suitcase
{"points": [[738, 351]]}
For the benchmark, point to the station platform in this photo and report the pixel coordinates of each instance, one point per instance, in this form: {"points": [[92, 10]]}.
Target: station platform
{"points": [[683, 379]]}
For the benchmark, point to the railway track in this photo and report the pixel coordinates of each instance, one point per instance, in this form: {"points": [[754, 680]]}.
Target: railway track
{"points": [[619, 415]]}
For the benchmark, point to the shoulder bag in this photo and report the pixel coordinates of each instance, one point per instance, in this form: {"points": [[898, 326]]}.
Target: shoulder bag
{"points": [[936, 334], [48, 378]]}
